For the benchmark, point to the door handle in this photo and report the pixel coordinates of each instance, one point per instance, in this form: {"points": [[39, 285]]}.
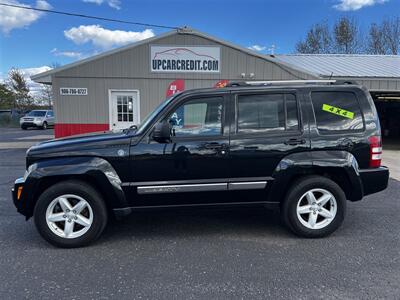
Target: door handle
{"points": [[295, 141]]}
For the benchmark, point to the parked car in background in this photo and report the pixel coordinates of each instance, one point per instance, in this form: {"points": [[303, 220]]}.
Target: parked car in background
{"points": [[37, 118]]}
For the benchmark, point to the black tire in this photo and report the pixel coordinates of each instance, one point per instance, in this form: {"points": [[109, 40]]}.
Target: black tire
{"points": [[297, 190], [44, 126], [82, 190], [24, 127]]}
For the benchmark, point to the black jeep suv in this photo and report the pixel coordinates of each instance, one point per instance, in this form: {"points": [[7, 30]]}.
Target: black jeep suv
{"points": [[305, 146]]}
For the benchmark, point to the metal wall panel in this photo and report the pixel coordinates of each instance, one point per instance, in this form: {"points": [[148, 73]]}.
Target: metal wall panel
{"points": [[130, 69]]}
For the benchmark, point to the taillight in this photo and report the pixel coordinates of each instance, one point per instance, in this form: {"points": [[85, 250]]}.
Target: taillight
{"points": [[375, 151]]}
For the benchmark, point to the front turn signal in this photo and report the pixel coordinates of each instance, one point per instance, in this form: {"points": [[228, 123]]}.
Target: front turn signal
{"points": [[19, 192]]}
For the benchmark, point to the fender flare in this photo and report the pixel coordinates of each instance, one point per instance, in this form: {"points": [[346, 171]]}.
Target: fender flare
{"points": [[317, 162], [96, 168]]}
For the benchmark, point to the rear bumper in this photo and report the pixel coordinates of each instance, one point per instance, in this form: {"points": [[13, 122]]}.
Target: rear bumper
{"points": [[374, 180]]}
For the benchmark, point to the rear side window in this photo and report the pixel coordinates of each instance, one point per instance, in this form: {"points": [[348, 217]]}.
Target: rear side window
{"points": [[337, 111], [266, 112]]}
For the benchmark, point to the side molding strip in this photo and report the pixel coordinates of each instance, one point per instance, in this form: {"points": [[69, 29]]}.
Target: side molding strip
{"points": [[205, 187], [252, 185], [156, 189]]}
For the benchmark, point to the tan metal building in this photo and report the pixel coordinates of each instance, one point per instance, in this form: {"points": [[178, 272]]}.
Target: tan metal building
{"points": [[119, 88]]}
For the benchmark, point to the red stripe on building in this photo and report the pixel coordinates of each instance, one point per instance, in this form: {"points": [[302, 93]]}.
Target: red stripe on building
{"points": [[67, 129]]}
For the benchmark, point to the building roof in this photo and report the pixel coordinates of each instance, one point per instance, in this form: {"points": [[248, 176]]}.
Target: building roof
{"points": [[345, 65], [45, 77]]}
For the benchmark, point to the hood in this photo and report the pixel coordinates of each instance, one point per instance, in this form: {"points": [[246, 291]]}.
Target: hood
{"points": [[86, 144]]}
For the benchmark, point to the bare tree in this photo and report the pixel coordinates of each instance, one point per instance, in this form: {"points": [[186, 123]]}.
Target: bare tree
{"points": [[318, 40], [376, 40], [18, 85], [46, 94], [346, 35], [391, 34]]}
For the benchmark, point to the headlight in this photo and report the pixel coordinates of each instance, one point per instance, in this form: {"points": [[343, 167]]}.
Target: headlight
{"points": [[29, 171]]}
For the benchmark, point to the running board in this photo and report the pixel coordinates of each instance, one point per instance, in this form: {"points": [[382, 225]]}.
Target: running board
{"points": [[201, 187]]}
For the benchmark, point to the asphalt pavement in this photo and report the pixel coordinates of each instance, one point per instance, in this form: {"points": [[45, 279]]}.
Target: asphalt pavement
{"points": [[201, 254]]}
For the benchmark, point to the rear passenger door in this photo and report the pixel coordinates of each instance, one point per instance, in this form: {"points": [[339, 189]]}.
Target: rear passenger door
{"points": [[267, 126]]}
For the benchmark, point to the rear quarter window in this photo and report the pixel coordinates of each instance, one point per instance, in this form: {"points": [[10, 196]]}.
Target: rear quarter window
{"points": [[337, 112]]}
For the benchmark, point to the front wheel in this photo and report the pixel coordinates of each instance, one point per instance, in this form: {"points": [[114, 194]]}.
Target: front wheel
{"points": [[314, 207], [44, 126], [70, 214]]}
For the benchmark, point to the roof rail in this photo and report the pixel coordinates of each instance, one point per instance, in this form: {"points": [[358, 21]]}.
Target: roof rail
{"points": [[288, 82]]}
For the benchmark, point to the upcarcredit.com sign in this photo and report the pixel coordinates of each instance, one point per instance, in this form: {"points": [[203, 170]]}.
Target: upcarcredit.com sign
{"points": [[185, 59]]}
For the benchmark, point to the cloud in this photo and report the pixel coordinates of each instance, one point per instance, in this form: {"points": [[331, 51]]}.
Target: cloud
{"points": [[105, 38], [111, 3], [12, 18], [348, 5], [257, 48], [35, 88], [70, 54]]}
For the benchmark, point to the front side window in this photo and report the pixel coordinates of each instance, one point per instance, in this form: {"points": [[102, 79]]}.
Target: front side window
{"points": [[337, 111], [198, 117], [266, 112]]}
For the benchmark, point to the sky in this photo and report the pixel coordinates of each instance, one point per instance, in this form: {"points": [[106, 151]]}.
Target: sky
{"points": [[34, 41]]}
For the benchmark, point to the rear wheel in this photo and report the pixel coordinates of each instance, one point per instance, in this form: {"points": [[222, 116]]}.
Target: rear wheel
{"points": [[314, 207], [70, 214]]}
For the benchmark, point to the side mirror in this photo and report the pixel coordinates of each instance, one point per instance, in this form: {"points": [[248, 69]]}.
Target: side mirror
{"points": [[162, 132]]}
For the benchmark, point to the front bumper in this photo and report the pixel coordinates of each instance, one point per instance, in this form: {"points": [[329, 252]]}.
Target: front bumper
{"points": [[17, 193], [374, 180], [31, 124]]}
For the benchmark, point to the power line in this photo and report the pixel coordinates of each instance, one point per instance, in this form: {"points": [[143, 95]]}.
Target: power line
{"points": [[88, 16]]}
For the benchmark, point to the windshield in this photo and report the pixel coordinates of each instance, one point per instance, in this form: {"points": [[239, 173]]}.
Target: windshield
{"points": [[153, 114], [36, 113]]}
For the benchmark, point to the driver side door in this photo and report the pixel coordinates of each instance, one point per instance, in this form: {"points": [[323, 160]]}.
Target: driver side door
{"points": [[194, 160]]}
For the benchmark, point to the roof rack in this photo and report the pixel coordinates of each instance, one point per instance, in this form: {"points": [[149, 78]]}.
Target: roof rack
{"points": [[289, 82]]}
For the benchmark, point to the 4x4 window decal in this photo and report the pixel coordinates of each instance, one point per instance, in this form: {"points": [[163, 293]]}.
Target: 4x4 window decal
{"points": [[338, 111]]}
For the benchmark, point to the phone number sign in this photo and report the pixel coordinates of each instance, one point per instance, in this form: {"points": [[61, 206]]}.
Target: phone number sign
{"points": [[64, 91]]}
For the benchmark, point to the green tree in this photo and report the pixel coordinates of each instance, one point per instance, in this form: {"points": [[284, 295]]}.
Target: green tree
{"points": [[19, 86], [6, 97]]}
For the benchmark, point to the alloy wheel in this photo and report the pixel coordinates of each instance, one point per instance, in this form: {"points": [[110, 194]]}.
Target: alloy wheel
{"points": [[69, 216], [316, 208]]}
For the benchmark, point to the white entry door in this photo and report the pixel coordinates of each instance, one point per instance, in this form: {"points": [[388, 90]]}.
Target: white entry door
{"points": [[124, 109]]}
